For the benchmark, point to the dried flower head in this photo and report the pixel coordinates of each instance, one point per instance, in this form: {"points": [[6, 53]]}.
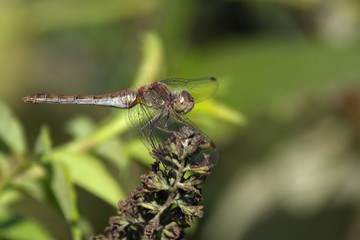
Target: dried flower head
{"points": [[169, 197]]}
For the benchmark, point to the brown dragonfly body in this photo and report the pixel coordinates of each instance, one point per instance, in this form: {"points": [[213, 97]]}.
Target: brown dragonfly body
{"points": [[159, 107], [155, 95]]}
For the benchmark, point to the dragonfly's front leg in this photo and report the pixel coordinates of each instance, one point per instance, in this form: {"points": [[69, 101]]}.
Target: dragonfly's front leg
{"points": [[152, 123], [154, 119]]}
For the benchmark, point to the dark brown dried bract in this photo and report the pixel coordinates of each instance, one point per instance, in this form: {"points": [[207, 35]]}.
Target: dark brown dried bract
{"points": [[168, 201]]}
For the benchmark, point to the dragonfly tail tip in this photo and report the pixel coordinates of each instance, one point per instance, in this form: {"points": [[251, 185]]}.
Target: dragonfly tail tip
{"points": [[26, 99]]}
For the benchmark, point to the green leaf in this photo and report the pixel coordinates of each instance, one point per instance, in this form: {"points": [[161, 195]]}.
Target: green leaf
{"points": [[113, 151], [11, 131], [89, 173], [9, 196], [219, 111], [65, 195], [115, 126], [80, 127], [43, 142], [35, 189], [136, 149], [15, 227]]}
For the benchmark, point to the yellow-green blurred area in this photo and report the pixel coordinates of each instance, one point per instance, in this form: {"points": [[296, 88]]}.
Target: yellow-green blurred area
{"points": [[286, 117]]}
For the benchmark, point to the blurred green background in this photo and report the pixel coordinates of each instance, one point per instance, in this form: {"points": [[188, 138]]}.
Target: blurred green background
{"points": [[286, 118]]}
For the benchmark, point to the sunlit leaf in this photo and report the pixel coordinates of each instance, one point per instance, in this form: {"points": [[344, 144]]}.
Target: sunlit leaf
{"points": [[11, 131], [89, 173], [61, 185], [115, 126], [16, 227], [219, 111], [9, 196]]}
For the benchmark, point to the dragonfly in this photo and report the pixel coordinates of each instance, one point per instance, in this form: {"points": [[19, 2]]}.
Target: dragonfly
{"points": [[156, 110]]}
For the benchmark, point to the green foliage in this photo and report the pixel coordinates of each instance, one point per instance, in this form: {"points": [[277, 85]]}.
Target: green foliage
{"points": [[64, 192], [11, 132], [43, 143], [17, 227], [89, 173], [292, 66]]}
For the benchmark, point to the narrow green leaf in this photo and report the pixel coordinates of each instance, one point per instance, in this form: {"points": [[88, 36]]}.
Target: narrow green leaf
{"points": [[152, 61], [219, 111], [15, 227], [11, 131], [115, 126], [89, 173], [43, 142], [65, 195]]}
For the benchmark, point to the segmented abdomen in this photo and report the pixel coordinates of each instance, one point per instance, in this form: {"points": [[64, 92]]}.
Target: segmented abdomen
{"points": [[122, 99]]}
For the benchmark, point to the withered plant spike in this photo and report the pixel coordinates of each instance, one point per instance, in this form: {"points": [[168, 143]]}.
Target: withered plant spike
{"points": [[169, 197]]}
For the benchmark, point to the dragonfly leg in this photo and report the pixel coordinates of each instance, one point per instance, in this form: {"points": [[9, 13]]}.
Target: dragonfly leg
{"points": [[180, 120], [151, 124], [165, 129], [154, 119], [177, 119]]}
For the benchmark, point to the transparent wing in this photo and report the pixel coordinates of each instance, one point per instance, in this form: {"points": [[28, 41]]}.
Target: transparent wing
{"points": [[211, 149], [200, 88], [152, 126], [156, 127], [142, 121]]}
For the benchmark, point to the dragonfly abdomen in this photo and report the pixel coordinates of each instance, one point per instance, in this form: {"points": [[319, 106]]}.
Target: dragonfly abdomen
{"points": [[122, 99]]}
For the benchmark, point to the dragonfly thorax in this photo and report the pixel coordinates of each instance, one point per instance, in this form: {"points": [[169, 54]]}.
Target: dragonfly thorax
{"points": [[155, 95], [158, 96]]}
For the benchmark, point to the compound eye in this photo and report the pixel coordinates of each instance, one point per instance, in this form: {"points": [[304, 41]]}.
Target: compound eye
{"points": [[183, 103]]}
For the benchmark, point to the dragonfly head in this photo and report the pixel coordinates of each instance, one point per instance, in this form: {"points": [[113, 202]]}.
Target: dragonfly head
{"points": [[183, 103]]}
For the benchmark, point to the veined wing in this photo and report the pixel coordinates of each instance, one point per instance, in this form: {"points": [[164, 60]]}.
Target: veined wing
{"points": [[200, 88], [143, 121], [210, 149], [156, 127]]}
